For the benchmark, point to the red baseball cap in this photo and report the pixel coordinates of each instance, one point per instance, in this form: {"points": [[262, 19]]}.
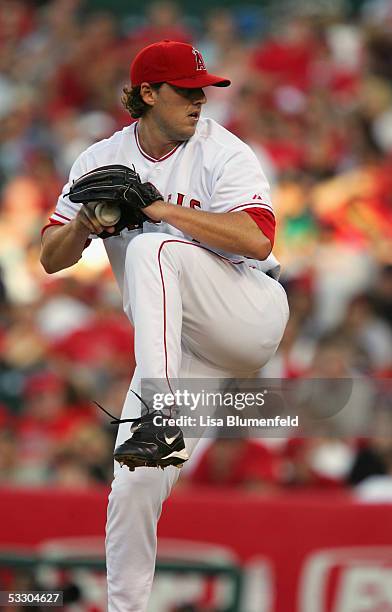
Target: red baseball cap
{"points": [[175, 63]]}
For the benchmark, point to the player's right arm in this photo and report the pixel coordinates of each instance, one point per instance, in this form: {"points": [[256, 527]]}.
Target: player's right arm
{"points": [[70, 227], [62, 245]]}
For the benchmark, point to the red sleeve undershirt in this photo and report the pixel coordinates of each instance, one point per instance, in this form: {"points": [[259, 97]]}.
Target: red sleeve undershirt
{"points": [[265, 220]]}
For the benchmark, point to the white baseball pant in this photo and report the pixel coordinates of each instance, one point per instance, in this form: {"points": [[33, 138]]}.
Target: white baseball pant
{"points": [[196, 315]]}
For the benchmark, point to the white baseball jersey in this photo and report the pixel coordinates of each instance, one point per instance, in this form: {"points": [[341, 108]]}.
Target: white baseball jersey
{"points": [[213, 171]]}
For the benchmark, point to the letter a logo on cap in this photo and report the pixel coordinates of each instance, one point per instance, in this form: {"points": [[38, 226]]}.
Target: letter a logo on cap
{"points": [[200, 65]]}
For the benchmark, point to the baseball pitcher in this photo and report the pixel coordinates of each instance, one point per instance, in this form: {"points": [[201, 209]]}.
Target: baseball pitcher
{"points": [[184, 210]]}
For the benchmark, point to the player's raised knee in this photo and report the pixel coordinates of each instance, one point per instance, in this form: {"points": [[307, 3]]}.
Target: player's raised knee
{"points": [[144, 245]]}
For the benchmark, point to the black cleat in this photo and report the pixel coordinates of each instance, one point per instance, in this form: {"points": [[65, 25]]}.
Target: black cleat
{"points": [[151, 445]]}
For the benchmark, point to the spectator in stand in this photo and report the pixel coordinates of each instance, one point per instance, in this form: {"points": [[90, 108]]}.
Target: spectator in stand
{"points": [[16, 21], [164, 22], [72, 86], [286, 56], [82, 458], [299, 343], [241, 463], [225, 53], [369, 333], [64, 307], [371, 473], [336, 412], [23, 346], [317, 463], [46, 418]]}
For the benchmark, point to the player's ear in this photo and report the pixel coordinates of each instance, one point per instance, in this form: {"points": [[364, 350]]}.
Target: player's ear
{"points": [[148, 94]]}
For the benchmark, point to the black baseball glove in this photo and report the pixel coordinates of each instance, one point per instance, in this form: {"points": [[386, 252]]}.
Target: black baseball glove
{"points": [[118, 185]]}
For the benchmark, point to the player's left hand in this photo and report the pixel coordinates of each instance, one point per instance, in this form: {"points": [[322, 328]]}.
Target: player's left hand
{"points": [[119, 185]]}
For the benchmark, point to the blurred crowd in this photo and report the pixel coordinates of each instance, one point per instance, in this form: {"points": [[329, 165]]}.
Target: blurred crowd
{"points": [[312, 95]]}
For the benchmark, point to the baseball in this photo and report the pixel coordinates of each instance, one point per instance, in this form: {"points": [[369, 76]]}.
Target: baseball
{"points": [[107, 214]]}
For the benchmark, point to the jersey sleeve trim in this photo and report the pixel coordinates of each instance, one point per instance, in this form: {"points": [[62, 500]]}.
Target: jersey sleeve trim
{"points": [[61, 219], [51, 223], [249, 205], [54, 223]]}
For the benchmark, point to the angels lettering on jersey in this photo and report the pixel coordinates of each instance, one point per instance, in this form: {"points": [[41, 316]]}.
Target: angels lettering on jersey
{"points": [[180, 200]]}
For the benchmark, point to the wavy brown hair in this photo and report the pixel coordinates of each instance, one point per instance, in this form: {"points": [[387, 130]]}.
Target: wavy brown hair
{"points": [[133, 101]]}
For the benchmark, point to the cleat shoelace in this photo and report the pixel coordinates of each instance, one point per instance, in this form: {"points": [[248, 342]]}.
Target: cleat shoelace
{"points": [[117, 421]]}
